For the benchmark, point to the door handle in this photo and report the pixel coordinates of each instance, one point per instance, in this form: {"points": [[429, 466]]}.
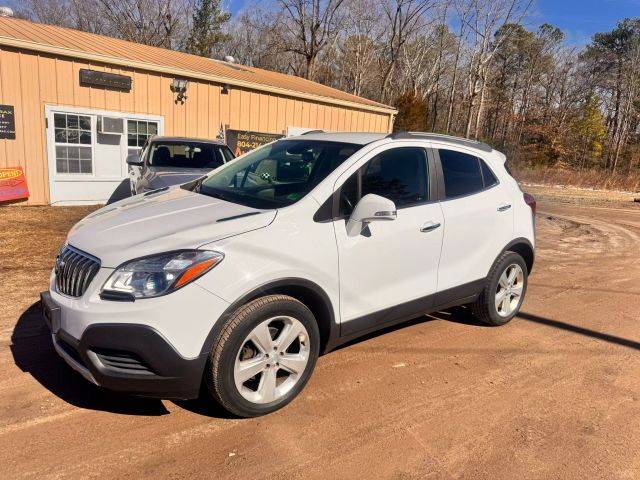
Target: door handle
{"points": [[504, 208], [429, 226]]}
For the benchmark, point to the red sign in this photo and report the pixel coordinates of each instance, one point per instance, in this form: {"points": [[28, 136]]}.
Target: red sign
{"points": [[13, 185]]}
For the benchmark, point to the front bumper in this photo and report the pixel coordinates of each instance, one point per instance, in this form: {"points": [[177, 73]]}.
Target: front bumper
{"points": [[127, 357]]}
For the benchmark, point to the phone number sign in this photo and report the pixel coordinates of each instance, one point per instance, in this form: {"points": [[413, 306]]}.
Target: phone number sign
{"points": [[243, 141], [13, 185]]}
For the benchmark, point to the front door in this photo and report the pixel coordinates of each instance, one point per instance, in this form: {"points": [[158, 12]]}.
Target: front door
{"points": [[390, 263]]}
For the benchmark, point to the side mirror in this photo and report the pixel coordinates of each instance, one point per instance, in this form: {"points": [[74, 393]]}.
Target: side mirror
{"points": [[370, 208], [134, 159]]}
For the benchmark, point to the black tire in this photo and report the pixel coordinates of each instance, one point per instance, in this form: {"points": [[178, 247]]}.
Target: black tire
{"points": [[219, 376], [484, 308]]}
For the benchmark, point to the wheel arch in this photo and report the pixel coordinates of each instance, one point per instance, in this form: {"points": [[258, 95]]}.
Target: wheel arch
{"points": [[524, 248], [303, 290]]}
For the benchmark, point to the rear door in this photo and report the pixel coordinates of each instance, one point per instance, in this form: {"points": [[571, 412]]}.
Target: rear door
{"points": [[478, 217]]}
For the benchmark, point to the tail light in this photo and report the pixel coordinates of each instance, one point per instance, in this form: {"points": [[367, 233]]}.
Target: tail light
{"points": [[531, 201]]}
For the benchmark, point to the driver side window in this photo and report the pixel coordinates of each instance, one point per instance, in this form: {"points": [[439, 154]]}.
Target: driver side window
{"points": [[399, 174]]}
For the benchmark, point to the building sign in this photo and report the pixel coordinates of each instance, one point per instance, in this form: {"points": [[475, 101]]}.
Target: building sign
{"points": [[94, 78], [7, 122], [13, 185], [242, 141]]}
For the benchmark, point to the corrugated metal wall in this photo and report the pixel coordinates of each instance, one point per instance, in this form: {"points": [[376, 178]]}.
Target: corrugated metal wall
{"points": [[29, 81]]}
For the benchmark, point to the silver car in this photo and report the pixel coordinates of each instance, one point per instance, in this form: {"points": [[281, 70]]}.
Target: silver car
{"points": [[166, 161]]}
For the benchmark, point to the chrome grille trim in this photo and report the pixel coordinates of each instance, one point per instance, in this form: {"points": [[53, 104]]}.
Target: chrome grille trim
{"points": [[74, 270]]}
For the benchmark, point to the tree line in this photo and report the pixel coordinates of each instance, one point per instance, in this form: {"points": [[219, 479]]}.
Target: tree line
{"points": [[475, 68]]}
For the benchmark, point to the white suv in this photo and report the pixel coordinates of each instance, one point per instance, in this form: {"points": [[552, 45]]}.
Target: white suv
{"points": [[237, 281]]}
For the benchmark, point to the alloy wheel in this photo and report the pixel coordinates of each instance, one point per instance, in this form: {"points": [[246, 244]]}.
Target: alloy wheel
{"points": [[509, 291], [271, 359]]}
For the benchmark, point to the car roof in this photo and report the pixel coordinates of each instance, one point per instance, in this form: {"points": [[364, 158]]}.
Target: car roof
{"points": [[343, 137], [365, 138], [161, 138]]}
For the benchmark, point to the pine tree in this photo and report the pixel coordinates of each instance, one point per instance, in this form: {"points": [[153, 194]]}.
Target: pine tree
{"points": [[206, 28]]}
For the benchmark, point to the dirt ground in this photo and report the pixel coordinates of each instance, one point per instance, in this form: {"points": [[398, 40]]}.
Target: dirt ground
{"points": [[554, 394]]}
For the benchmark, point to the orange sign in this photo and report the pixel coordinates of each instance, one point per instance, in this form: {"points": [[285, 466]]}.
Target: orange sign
{"points": [[13, 185]]}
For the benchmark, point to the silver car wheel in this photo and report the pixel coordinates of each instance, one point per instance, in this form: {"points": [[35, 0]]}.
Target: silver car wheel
{"points": [[271, 359], [509, 291]]}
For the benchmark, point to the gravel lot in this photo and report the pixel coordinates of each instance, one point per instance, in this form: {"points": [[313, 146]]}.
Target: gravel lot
{"points": [[554, 394]]}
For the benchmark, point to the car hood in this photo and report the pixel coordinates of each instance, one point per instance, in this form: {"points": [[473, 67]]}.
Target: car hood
{"points": [[160, 177], [162, 221]]}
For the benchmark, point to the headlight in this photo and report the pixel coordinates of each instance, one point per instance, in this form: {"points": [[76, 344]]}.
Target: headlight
{"points": [[159, 274]]}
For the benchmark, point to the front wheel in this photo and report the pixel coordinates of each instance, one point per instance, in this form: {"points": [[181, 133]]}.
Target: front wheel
{"points": [[504, 290], [264, 356]]}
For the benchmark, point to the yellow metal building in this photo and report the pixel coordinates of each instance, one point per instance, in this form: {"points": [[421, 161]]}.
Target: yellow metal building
{"points": [[61, 89]]}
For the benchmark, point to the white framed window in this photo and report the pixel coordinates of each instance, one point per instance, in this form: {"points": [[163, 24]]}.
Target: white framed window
{"points": [[73, 139], [138, 132]]}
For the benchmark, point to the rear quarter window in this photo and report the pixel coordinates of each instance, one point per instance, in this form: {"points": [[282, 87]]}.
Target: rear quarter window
{"points": [[464, 174]]}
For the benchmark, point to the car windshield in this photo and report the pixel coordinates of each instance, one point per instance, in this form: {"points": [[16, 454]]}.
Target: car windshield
{"points": [[278, 174], [175, 154]]}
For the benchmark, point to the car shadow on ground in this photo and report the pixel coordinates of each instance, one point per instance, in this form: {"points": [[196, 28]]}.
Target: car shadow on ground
{"points": [[33, 353]]}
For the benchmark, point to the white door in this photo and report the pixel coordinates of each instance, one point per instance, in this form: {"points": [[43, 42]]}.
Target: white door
{"points": [[391, 263], [86, 165], [478, 219]]}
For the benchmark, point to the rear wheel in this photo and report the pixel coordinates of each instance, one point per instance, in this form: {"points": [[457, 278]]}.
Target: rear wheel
{"points": [[264, 356], [504, 291]]}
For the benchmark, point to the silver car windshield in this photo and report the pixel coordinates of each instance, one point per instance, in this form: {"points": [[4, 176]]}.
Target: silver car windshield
{"points": [[171, 154]]}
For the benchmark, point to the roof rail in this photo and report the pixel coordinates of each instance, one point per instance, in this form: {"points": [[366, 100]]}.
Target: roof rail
{"points": [[465, 142], [308, 132]]}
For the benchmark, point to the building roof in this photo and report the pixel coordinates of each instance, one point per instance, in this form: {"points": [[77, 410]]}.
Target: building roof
{"points": [[20, 33]]}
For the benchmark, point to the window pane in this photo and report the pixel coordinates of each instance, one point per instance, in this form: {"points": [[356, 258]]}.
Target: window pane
{"points": [[59, 120], [85, 166], [398, 174], [461, 173], [153, 128], [85, 153], [74, 166], [72, 121], [349, 195], [61, 135], [85, 138], [131, 126], [142, 127], [74, 152], [73, 136], [61, 165], [132, 140], [489, 178], [85, 123], [61, 152]]}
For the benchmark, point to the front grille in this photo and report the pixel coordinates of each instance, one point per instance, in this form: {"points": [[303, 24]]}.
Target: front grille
{"points": [[74, 271], [121, 360]]}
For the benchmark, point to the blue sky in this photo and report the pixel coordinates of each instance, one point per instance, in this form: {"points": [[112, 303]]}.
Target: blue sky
{"points": [[579, 19]]}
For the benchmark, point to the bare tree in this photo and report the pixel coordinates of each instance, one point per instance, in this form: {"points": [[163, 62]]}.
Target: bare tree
{"points": [[308, 27]]}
